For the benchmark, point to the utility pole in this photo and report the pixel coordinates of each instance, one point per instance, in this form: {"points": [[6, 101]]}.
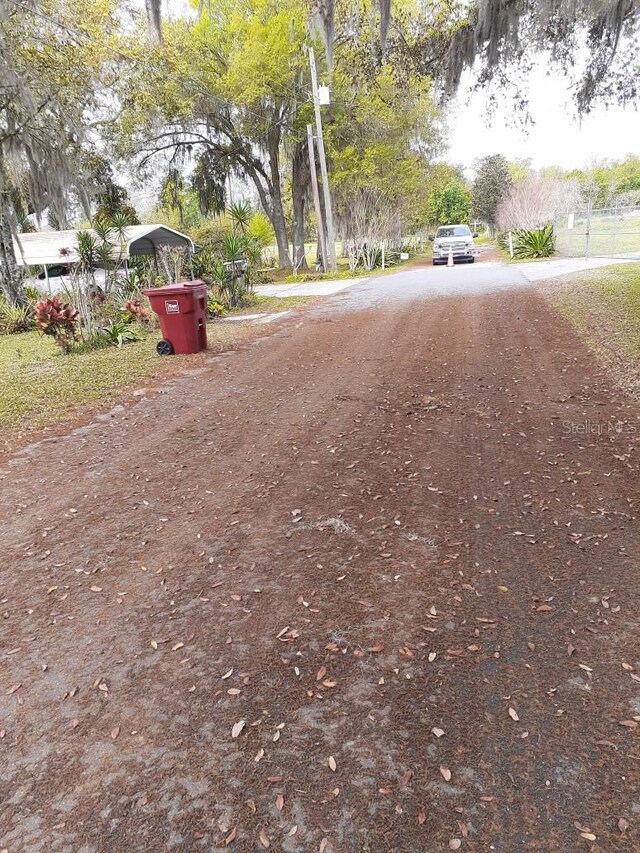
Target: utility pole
{"points": [[331, 264], [316, 198]]}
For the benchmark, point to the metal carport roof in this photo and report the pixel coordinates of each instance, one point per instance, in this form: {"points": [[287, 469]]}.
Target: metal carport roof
{"points": [[42, 248]]}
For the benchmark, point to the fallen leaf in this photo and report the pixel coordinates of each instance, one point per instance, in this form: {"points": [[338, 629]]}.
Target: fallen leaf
{"points": [[231, 837], [332, 763], [544, 608], [177, 646], [235, 731], [623, 825], [422, 816], [437, 732], [321, 673], [630, 724], [446, 773], [233, 691], [293, 829], [376, 649], [227, 674], [115, 732], [513, 714], [408, 776], [280, 802], [323, 845], [589, 836], [264, 839], [96, 589], [259, 755], [432, 656]]}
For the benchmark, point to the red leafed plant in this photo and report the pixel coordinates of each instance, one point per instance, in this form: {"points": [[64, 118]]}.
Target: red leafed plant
{"points": [[58, 319], [134, 311]]}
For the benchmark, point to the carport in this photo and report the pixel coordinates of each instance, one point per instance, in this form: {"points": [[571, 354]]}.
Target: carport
{"points": [[58, 248]]}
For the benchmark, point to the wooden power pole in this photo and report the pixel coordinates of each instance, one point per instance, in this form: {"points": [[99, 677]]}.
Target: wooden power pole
{"points": [[322, 243], [331, 264]]}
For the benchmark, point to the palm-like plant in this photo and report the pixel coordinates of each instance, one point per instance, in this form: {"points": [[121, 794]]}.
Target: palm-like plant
{"points": [[240, 214], [534, 243]]}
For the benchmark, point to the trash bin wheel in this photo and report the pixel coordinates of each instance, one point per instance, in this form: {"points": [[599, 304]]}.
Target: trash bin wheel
{"points": [[164, 348]]}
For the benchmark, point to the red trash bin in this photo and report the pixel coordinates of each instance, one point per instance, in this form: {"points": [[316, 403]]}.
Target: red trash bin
{"points": [[183, 320]]}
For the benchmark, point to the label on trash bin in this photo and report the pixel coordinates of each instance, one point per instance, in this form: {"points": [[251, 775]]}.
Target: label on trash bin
{"points": [[171, 306]]}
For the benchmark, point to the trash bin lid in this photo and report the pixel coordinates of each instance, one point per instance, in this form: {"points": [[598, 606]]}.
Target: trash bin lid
{"points": [[174, 289]]}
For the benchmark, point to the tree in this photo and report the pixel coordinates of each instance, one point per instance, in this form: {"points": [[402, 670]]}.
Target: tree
{"points": [[51, 54], [451, 204], [534, 202], [492, 183], [227, 86]]}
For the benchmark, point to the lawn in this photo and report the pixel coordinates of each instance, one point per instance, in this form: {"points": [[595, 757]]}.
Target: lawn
{"points": [[604, 307], [609, 236], [41, 387]]}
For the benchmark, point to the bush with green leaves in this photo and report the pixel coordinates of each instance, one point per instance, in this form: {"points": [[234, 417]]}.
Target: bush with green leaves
{"points": [[534, 243], [16, 318], [118, 332]]}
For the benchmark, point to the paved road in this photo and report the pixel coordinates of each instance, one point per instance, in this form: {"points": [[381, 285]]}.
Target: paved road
{"points": [[412, 283], [368, 584]]}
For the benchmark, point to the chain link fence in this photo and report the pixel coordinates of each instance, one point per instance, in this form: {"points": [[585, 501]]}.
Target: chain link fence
{"points": [[599, 233]]}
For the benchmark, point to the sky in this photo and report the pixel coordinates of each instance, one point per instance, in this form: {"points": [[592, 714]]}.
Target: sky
{"points": [[557, 138]]}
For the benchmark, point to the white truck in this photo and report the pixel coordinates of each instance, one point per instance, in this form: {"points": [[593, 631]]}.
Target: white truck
{"points": [[454, 239]]}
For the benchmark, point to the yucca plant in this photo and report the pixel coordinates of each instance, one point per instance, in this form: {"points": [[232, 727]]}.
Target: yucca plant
{"points": [[534, 243], [240, 214]]}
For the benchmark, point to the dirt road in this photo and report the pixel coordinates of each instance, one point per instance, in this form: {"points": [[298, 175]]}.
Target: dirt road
{"points": [[367, 585]]}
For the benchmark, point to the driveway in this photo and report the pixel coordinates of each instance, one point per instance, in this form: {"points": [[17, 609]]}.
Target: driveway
{"points": [[367, 584]]}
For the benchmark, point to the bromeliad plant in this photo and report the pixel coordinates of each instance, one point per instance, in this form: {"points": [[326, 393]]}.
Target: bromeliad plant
{"points": [[58, 319], [118, 332]]}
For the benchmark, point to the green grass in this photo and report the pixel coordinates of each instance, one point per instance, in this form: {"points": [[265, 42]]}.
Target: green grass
{"points": [[604, 307], [259, 304], [39, 386], [609, 236]]}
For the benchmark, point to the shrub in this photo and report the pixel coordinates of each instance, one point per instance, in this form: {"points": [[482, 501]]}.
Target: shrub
{"points": [[133, 311], [534, 243], [118, 332], [15, 318], [215, 308], [58, 319]]}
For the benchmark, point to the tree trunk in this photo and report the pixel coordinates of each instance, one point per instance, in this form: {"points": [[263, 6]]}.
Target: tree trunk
{"points": [[300, 179], [277, 210], [10, 275]]}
